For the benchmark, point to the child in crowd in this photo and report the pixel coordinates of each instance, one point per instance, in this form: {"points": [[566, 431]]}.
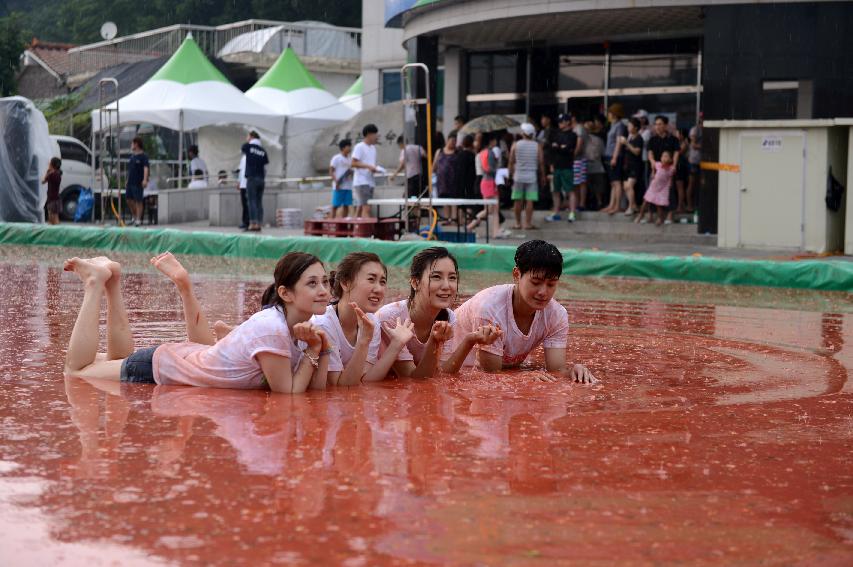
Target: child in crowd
{"points": [[53, 178], [434, 279], [341, 172], [658, 191], [528, 315], [262, 351]]}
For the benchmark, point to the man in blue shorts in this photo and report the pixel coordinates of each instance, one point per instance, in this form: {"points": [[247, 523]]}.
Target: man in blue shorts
{"points": [[341, 172]]}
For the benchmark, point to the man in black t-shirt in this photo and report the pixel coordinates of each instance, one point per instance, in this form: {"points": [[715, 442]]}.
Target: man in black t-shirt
{"points": [[255, 173], [138, 171], [563, 149], [662, 141]]}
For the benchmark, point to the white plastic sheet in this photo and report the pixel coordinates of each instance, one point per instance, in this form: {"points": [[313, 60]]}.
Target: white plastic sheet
{"points": [[25, 151]]}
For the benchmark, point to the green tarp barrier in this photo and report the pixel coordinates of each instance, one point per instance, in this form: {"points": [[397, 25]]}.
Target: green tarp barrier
{"points": [[836, 275]]}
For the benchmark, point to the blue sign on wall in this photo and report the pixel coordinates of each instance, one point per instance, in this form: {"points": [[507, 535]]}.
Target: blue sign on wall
{"points": [[394, 10]]}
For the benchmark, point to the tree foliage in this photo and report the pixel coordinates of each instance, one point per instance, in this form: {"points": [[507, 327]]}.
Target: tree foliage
{"points": [[80, 21], [12, 44]]}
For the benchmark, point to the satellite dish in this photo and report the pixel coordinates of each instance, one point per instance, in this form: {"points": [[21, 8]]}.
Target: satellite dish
{"points": [[108, 30]]}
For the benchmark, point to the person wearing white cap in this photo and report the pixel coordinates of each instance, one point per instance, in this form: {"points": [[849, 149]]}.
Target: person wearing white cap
{"points": [[525, 163]]}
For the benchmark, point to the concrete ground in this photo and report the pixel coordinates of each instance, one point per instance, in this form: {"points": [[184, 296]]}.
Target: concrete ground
{"points": [[592, 231]]}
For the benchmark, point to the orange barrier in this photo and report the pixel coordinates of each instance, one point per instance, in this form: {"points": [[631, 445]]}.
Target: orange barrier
{"points": [[713, 166]]}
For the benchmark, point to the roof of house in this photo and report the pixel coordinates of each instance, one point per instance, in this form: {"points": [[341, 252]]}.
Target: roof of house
{"points": [[54, 56]]}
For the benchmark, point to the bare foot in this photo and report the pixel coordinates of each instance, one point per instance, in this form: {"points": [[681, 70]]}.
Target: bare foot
{"points": [[89, 271], [171, 268], [112, 266], [221, 330]]}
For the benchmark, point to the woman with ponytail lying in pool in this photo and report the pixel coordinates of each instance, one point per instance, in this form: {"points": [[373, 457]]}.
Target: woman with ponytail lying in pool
{"points": [[527, 313], [262, 351], [434, 280]]}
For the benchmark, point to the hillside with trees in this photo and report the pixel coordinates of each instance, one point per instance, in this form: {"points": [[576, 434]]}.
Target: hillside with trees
{"points": [[80, 21]]}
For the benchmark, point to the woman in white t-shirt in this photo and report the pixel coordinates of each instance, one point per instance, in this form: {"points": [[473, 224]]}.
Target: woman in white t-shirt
{"points": [[263, 351], [527, 313], [434, 278], [359, 284]]}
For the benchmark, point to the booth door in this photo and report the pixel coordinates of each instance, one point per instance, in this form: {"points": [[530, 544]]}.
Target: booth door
{"points": [[772, 189]]}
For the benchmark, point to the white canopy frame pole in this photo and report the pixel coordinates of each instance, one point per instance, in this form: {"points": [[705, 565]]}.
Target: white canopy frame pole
{"points": [[412, 97], [180, 147]]}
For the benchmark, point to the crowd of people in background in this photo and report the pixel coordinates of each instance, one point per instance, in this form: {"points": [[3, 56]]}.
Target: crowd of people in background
{"points": [[648, 170]]}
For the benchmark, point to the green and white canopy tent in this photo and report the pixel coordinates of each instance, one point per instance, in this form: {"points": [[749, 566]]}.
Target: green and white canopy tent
{"points": [[290, 89], [352, 98], [292, 92], [188, 93]]}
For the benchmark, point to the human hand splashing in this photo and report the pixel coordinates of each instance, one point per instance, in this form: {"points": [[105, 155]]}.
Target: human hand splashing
{"points": [[577, 373], [401, 333], [485, 334], [441, 331], [581, 374], [366, 326], [311, 335]]}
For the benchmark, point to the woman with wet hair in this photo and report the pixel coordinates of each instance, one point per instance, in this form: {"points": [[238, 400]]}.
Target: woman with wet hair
{"points": [[262, 351], [358, 287], [434, 280]]}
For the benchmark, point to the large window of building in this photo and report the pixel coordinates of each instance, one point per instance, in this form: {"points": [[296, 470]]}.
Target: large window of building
{"points": [[581, 72], [627, 71], [391, 89], [493, 72]]}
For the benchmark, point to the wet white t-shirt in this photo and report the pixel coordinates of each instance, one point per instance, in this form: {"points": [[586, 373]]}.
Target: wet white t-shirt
{"points": [[342, 351], [231, 362], [414, 349], [493, 305]]}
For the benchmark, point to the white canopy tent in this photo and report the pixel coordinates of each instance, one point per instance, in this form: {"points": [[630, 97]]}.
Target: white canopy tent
{"points": [[352, 97], [289, 90], [189, 93]]}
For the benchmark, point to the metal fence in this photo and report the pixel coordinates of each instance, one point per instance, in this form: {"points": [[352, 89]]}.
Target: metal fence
{"points": [[250, 36]]}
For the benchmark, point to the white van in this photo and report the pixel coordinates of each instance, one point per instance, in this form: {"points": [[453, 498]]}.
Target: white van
{"points": [[76, 171]]}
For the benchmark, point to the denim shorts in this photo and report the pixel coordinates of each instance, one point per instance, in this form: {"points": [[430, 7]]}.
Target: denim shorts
{"points": [[139, 367]]}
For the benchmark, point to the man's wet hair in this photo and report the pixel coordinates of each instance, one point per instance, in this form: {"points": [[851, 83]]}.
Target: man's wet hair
{"points": [[344, 143], [542, 259], [369, 129]]}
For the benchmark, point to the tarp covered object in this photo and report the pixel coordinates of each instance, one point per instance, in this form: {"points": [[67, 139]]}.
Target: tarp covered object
{"points": [[189, 92], [836, 275], [316, 39], [25, 151]]}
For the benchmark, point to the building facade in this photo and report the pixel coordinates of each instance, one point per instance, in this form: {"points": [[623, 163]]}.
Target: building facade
{"points": [[729, 60]]}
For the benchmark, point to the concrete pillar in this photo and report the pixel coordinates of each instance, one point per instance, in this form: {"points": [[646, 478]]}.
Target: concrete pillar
{"points": [[847, 203], [453, 104]]}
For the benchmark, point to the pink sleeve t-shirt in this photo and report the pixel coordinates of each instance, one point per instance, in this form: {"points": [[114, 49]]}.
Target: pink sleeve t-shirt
{"points": [[414, 349], [493, 305], [231, 362], [342, 350]]}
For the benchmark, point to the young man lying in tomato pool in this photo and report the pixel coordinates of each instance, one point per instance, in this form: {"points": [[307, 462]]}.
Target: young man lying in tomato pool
{"points": [[528, 315]]}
